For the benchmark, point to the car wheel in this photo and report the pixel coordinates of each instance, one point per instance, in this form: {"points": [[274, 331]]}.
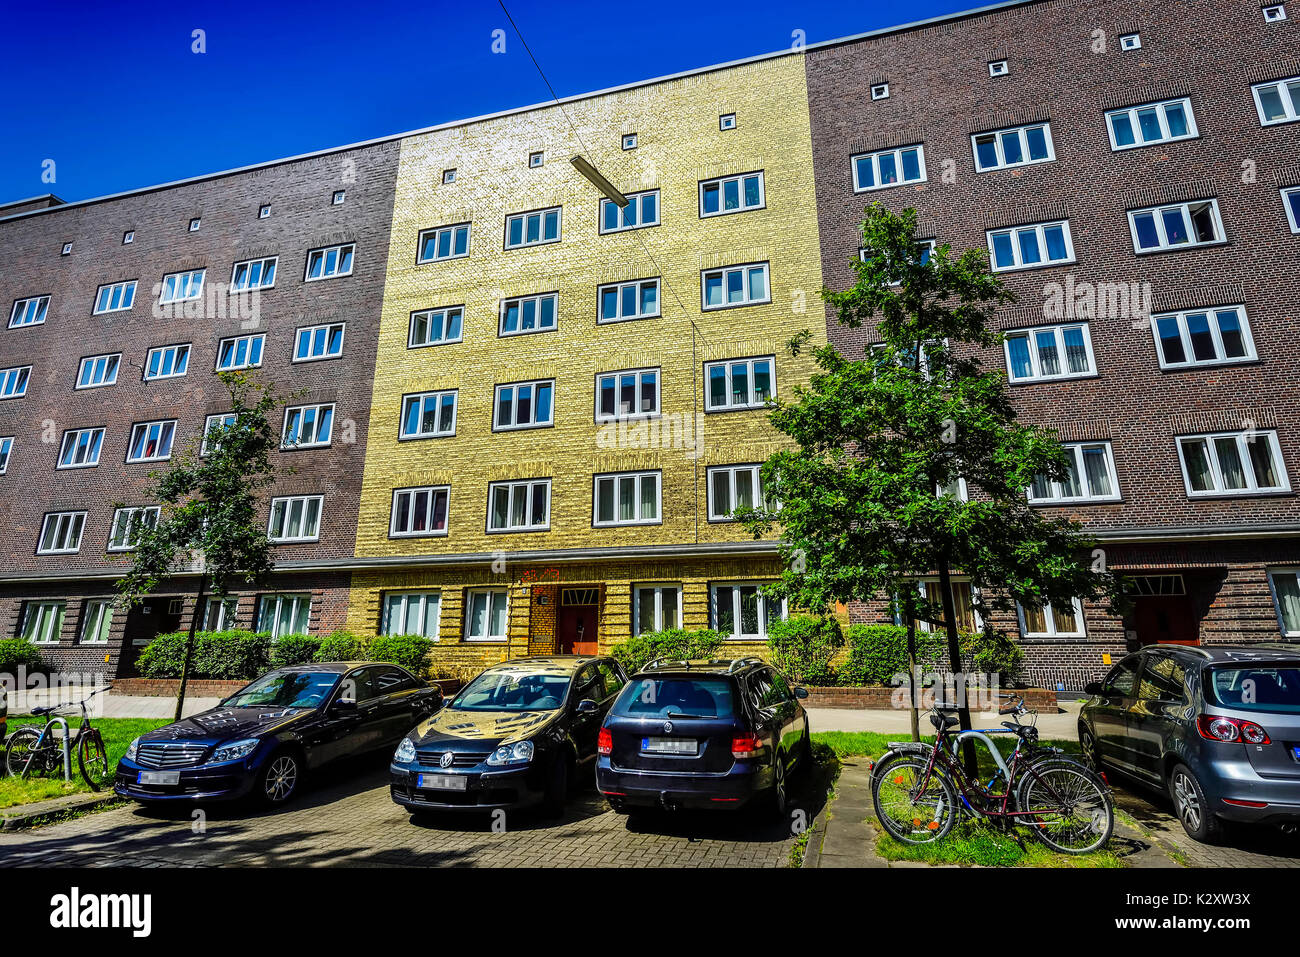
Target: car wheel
{"points": [[280, 777], [557, 787], [1088, 746], [1192, 808], [779, 799]]}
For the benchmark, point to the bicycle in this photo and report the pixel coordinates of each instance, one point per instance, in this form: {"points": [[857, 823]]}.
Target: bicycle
{"points": [[30, 751], [916, 788]]}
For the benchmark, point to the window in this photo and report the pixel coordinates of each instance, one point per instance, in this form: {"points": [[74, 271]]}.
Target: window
{"points": [[411, 613], [1278, 101], [628, 300], [151, 441], [1291, 203], [282, 615], [1275, 13], [1202, 337], [307, 426], [742, 613], [732, 194], [739, 383], [61, 533], [43, 621], [524, 405], [253, 274], [626, 498], [6, 447], [428, 415], [526, 314], [1051, 621], [435, 327], [339, 196], [1232, 463], [115, 297], [533, 229], [182, 286], [128, 237], [1286, 596], [98, 371], [29, 312], [240, 352], [536, 159], [1090, 477], [264, 211], [80, 448], [445, 242], [448, 176], [319, 342], [223, 420], [295, 518], [727, 121], [629, 141], [1026, 247], [1151, 123], [1050, 352], [195, 223], [1015, 146], [630, 394], [519, 506], [167, 362], [963, 600], [1178, 226], [419, 511], [13, 382], [1130, 41], [732, 487], [96, 621], [998, 68], [128, 523], [880, 91], [330, 262], [220, 615], [485, 614], [67, 250], [656, 607], [888, 168], [735, 286], [642, 209]]}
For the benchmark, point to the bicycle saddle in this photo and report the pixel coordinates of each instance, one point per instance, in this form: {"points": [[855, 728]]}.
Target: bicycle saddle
{"points": [[1021, 729], [40, 711], [943, 720]]}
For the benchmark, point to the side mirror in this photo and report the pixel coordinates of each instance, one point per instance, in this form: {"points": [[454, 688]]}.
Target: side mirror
{"points": [[344, 705], [587, 706], [1092, 687], [800, 692]]}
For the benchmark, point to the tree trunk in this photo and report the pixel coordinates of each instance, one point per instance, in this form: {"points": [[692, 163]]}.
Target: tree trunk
{"points": [[914, 714], [954, 656], [189, 645]]}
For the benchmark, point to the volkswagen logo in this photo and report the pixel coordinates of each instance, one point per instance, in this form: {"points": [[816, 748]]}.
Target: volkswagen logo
{"points": [[668, 727], [446, 759]]}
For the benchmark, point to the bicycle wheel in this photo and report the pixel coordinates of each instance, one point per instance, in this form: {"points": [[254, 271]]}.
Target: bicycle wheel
{"points": [[909, 812], [19, 749], [92, 759], [1071, 807]]}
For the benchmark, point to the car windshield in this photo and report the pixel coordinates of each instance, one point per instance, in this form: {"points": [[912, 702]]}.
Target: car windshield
{"points": [[285, 689], [1256, 688], [665, 697], [514, 691]]}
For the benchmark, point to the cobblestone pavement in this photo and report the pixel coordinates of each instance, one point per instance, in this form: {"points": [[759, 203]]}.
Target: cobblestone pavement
{"points": [[348, 819]]}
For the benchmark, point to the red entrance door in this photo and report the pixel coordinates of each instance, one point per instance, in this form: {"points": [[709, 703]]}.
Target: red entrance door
{"points": [[576, 623], [1166, 618]]}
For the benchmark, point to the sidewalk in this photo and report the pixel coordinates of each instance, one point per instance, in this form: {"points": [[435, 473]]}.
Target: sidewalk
{"points": [[106, 705], [1063, 726]]}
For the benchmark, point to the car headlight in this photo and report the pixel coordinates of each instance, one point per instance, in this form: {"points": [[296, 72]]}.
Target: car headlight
{"points": [[521, 752], [405, 752], [234, 751], [132, 748]]}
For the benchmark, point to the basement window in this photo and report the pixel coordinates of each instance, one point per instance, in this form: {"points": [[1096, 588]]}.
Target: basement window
{"points": [[880, 91], [998, 68], [1275, 13], [1130, 41]]}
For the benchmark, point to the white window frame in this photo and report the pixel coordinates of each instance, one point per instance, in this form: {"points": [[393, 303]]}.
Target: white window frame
{"points": [[1243, 439], [726, 121], [1216, 334], [541, 239], [724, 271], [616, 479], [1273, 574], [628, 141], [38, 306], [1076, 449], [341, 251], [514, 425], [529, 525], [310, 332], [1130, 41], [493, 596], [1291, 219], [162, 425], [195, 223], [255, 342], [180, 356], [880, 91], [1291, 110], [639, 285], [1160, 106], [1022, 135], [536, 159], [728, 473], [45, 634], [403, 600], [446, 312], [285, 504], [739, 179], [322, 411], [14, 382], [1274, 12], [94, 443], [537, 299], [300, 603], [875, 157], [6, 451], [998, 68], [751, 401], [219, 419], [1049, 620], [736, 616], [1035, 362], [182, 280], [637, 199], [96, 621], [69, 526], [449, 176], [658, 588], [617, 376], [127, 520], [421, 398], [124, 292], [112, 362], [433, 491], [262, 281], [977, 620], [1040, 232], [339, 197], [436, 233], [1157, 214]]}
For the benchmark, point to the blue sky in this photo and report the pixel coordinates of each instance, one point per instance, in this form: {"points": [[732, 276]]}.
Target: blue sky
{"points": [[113, 94]]}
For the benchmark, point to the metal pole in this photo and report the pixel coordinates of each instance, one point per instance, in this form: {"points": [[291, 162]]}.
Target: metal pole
{"points": [[67, 753]]}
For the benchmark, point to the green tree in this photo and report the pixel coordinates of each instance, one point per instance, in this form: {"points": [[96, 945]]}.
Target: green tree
{"points": [[210, 498], [867, 500]]}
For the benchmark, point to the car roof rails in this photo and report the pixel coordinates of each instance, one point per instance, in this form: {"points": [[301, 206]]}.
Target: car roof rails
{"points": [[661, 662], [739, 663]]}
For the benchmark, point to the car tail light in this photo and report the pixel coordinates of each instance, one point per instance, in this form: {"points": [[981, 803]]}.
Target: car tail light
{"points": [[1230, 730], [1245, 803], [745, 745], [604, 742]]}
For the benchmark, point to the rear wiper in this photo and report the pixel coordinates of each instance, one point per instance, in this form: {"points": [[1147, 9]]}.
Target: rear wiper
{"points": [[700, 717]]}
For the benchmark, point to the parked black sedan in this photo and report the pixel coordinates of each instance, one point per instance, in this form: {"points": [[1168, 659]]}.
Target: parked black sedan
{"points": [[262, 740], [519, 734]]}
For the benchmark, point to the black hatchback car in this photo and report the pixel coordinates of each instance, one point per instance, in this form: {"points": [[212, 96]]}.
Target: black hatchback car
{"points": [[263, 739], [521, 733], [1217, 727], [703, 734]]}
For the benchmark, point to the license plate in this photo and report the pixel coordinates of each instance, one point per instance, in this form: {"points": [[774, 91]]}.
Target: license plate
{"points": [[443, 782], [669, 745], [159, 777]]}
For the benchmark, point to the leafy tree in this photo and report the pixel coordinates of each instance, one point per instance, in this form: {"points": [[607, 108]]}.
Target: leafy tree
{"points": [[878, 436], [210, 500]]}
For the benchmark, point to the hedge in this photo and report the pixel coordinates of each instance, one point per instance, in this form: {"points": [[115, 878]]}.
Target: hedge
{"points": [[675, 643], [18, 653], [341, 646], [405, 650], [802, 648], [247, 655], [879, 652]]}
